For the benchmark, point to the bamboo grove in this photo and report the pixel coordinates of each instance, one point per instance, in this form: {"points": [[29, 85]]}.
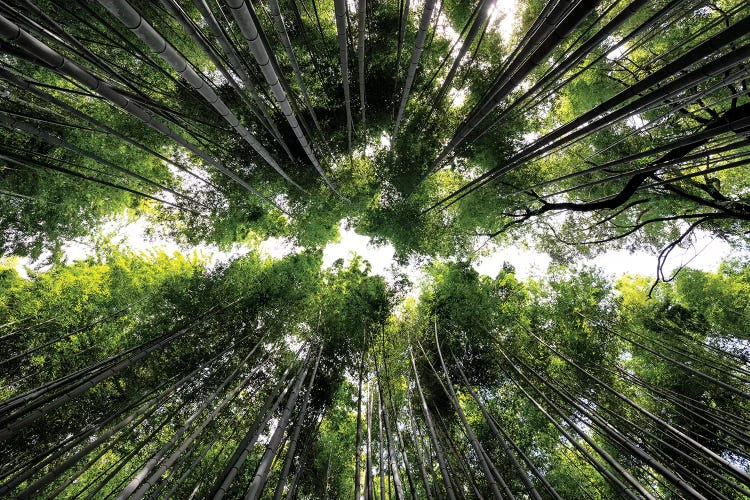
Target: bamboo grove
{"points": [[430, 125]]}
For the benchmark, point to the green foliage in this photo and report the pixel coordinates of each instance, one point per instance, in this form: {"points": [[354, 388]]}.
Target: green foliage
{"points": [[566, 382]]}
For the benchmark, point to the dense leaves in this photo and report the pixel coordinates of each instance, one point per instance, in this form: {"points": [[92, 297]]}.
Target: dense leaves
{"points": [[433, 126]]}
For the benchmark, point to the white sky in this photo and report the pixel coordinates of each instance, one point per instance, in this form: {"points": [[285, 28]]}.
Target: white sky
{"points": [[503, 14], [350, 243], [133, 235], [706, 253], [503, 17]]}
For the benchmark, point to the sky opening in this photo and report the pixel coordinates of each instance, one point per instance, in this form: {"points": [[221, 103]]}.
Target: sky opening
{"points": [[705, 252]]}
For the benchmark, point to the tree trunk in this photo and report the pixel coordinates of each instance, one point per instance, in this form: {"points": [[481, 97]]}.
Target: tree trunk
{"points": [[424, 26], [261, 475], [340, 8], [143, 487], [607, 112], [491, 423], [238, 65], [479, 20], [478, 450], [122, 10], [290, 454], [65, 66], [369, 487], [552, 34], [431, 429], [31, 86], [358, 435], [244, 15], [272, 402], [284, 37], [389, 437], [417, 440], [361, 11]]}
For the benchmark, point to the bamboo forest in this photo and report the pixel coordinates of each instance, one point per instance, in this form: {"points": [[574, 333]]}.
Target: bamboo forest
{"points": [[492, 156]]}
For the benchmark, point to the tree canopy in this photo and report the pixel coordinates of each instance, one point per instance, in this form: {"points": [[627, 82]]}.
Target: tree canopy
{"points": [[440, 127]]}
